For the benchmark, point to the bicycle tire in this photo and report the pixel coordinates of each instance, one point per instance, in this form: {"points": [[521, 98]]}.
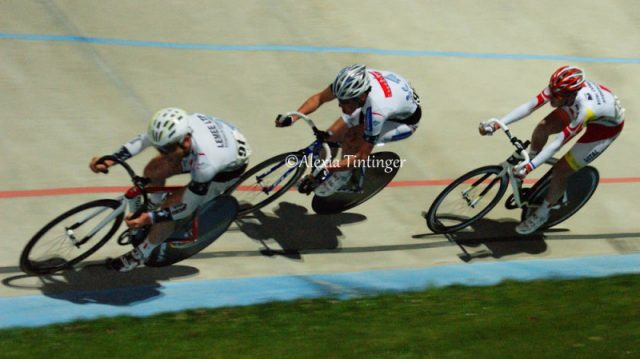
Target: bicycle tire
{"points": [[376, 179], [53, 262], [483, 179], [211, 222], [580, 188], [247, 185]]}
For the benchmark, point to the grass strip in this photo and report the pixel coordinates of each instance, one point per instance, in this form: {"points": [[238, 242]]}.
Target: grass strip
{"points": [[587, 318]]}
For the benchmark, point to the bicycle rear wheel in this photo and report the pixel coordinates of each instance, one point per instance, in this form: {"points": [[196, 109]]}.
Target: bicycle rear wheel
{"points": [[71, 237], [580, 188], [467, 199], [265, 182], [194, 234]]}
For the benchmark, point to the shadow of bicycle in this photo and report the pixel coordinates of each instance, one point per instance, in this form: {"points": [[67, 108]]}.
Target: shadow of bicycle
{"points": [[94, 283], [498, 239], [295, 230], [495, 239]]}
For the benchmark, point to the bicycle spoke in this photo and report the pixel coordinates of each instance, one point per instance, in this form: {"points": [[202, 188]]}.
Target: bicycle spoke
{"points": [[53, 248], [467, 199], [264, 183]]}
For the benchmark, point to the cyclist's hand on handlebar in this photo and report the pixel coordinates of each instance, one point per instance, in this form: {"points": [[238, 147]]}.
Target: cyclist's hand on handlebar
{"points": [[323, 136], [285, 121], [100, 167], [522, 170], [488, 127], [142, 220]]}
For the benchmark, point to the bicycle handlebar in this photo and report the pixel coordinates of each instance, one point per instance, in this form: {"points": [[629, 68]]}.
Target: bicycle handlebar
{"points": [[309, 122], [304, 117], [519, 145], [138, 181], [316, 133]]}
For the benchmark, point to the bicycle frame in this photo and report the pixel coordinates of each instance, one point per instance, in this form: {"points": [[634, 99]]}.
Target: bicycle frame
{"points": [[458, 205], [98, 227], [312, 150], [128, 200], [512, 162]]}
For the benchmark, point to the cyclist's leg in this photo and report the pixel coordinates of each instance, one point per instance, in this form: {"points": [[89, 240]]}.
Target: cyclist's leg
{"points": [[589, 147], [553, 123], [161, 231], [395, 131], [159, 169], [560, 174], [333, 183], [593, 143]]}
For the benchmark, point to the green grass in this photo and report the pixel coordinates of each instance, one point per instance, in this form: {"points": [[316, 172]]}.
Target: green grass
{"points": [[591, 318]]}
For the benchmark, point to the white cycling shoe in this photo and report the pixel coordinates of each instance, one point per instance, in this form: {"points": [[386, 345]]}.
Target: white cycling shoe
{"points": [[127, 261], [532, 223]]}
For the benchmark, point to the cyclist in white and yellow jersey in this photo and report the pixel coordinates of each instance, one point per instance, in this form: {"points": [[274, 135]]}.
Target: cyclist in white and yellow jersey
{"points": [[579, 104], [213, 151]]}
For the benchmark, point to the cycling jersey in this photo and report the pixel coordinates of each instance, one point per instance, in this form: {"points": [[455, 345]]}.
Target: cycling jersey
{"points": [[217, 148], [391, 99], [595, 106]]}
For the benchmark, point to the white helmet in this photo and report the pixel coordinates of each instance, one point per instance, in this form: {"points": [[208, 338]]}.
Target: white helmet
{"points": [[168, 126], [351, 82]]}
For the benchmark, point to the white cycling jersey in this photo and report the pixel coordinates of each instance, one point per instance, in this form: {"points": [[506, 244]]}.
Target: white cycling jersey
{"points": [[595, 106], [391, 98], [217, 147]]}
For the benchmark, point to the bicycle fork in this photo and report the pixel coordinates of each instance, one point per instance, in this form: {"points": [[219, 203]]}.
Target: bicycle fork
{"points": [[472, 201], [69, 231]]}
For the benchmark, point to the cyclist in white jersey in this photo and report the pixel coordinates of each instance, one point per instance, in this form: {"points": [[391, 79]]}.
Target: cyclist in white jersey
{"points": [[213, 151], [579, 104], [381, 105]]}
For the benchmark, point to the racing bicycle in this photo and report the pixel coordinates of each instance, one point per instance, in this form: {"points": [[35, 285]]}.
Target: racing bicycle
{"points": [[272, 178], [79, 232], [470, 197]]}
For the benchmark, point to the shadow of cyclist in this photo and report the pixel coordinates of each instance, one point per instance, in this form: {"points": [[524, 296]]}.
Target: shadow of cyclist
{"points": [[96, 284], [296, 231], [499, 238]]}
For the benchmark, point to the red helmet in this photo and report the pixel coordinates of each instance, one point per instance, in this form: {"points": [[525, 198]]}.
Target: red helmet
{"points": [[566, 80]]}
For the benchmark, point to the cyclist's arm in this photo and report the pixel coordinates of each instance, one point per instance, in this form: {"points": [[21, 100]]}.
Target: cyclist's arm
{"points": [[315, 101], [527, 108], [337, 130], [128, 150], [133, 147], [372, 129], [564, 136], [351, 161]]}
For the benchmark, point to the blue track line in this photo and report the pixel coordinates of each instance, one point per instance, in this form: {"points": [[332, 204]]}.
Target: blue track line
{"points": [[312, 49], [38, 310]]}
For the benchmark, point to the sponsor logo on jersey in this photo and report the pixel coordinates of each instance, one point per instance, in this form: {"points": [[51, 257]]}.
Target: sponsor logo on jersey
{"points": [[592, 156], [218, 136], [386, 89]]}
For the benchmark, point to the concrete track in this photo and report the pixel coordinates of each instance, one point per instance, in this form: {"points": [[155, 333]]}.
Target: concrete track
{"points": [[80, 78]]}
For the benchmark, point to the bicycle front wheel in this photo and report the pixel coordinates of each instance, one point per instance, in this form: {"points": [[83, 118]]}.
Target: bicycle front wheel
{"points": [[580, 187], [267, 181], [467, 199], [71, 237]]}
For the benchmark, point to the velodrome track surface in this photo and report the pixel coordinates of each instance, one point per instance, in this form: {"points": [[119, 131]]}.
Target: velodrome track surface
{"points": [[80, 78]]}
